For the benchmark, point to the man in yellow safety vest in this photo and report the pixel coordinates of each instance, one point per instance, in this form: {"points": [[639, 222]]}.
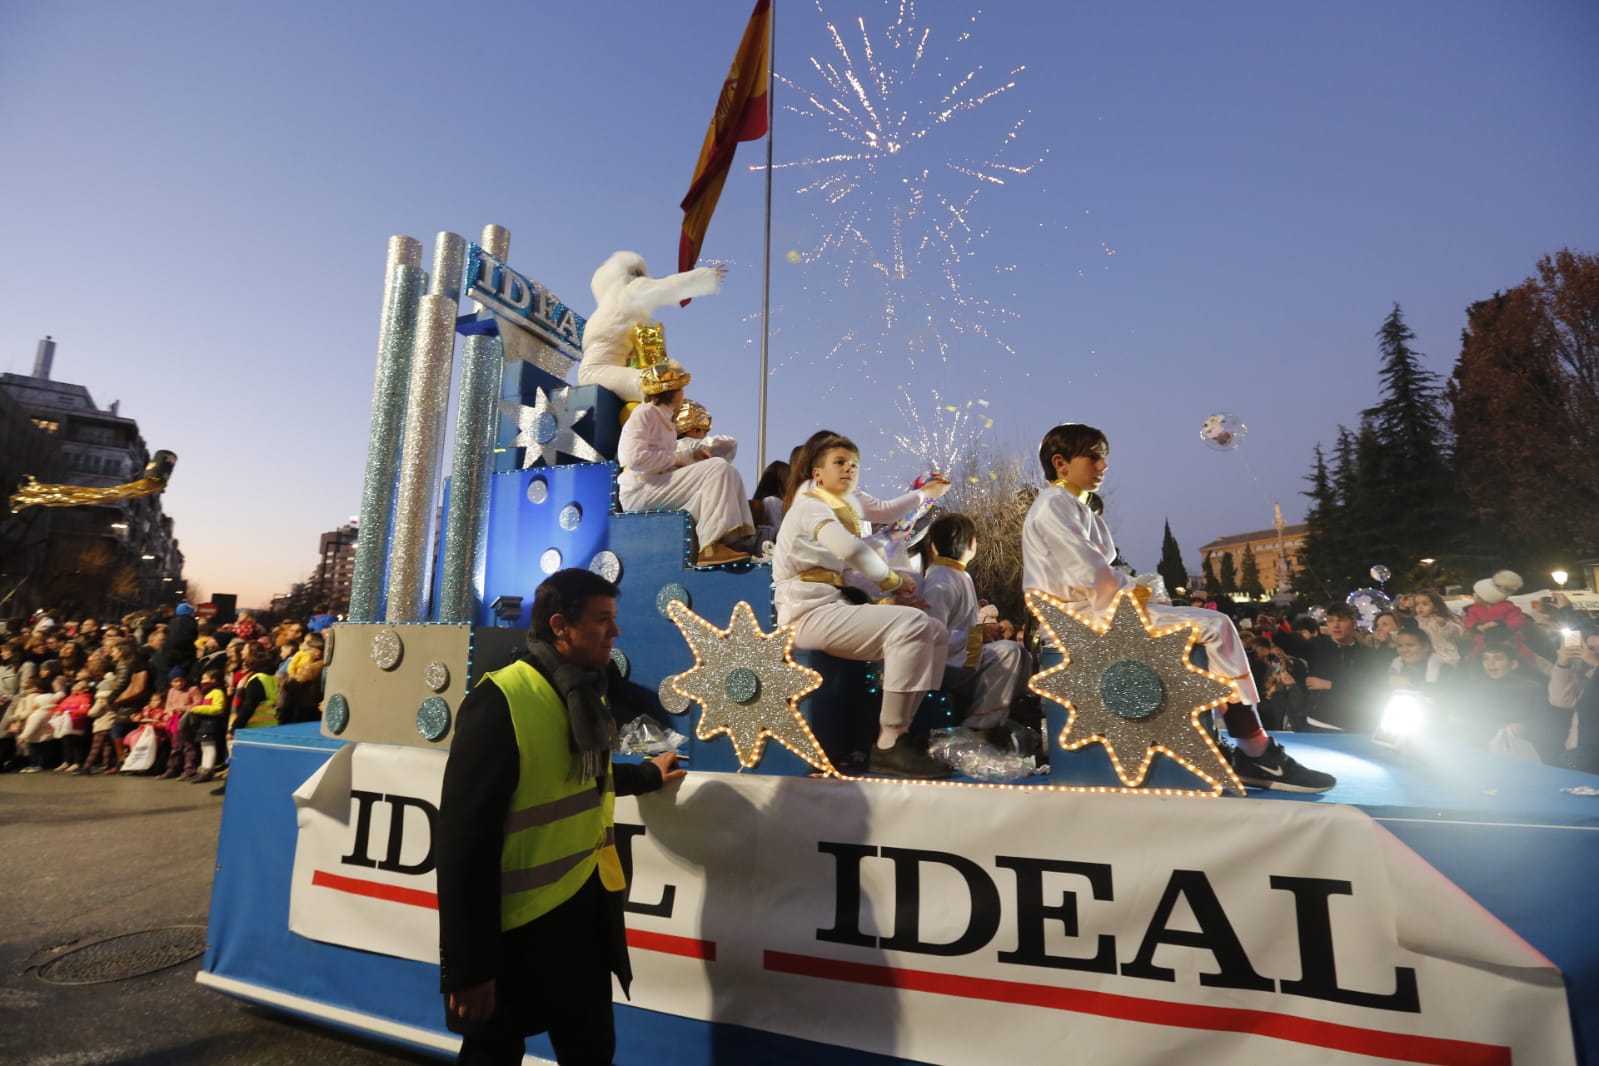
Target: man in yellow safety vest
{"points": [[530, 884]]}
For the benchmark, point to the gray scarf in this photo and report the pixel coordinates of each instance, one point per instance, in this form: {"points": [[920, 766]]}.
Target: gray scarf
{"points": [[592, 731]]}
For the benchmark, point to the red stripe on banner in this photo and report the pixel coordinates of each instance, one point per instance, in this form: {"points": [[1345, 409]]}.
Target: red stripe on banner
{"points": [[668, 944], [1401, 1047], [375, 889]]}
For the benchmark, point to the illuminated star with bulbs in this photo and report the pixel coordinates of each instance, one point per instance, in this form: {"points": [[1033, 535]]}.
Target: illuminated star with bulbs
{"points": [[544, 429], [747, 685], [1129, 685]]}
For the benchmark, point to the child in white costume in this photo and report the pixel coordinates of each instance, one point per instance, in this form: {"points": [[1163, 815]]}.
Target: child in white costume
{"points": [[1067, 551], [952, 599], [693, 424], [656, 475], [626, 296], [820, 555]]}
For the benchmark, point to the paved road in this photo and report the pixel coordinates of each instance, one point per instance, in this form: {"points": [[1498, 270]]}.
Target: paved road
{"points": [[84, 859]]}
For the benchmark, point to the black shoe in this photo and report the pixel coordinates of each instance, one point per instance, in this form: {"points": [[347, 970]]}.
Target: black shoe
{"points": [[905, 759], [1275, 768]]}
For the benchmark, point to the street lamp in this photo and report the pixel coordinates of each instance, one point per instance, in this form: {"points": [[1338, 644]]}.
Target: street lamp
{"points": [[1560, 577]]}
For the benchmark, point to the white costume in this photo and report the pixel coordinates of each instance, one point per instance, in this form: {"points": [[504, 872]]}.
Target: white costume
{"points": [[952, 599], [656, 475], [1067, 551], [720, 447], [817, 554], [626, 296]]}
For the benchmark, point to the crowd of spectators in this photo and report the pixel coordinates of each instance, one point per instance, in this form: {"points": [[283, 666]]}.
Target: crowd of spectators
{"points": [[1494, 677], [159, 693]]}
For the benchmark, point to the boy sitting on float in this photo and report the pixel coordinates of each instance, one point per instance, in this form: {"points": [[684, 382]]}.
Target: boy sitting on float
{"points": [[1067, 551]]}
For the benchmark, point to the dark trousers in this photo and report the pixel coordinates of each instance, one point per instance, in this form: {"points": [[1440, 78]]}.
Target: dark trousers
{"points": [[581, 1038], [74, 748]]}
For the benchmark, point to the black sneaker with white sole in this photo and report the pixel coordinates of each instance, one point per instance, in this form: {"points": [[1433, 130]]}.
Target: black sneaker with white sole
{"points": [[907, 758], [1274, 768]]}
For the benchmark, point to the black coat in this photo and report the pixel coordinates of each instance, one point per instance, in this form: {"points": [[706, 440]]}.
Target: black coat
{"points": [[565, 956]]}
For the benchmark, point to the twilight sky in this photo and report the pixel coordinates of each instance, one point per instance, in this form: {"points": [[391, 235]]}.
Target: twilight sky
{"points": [[1175, 210]]}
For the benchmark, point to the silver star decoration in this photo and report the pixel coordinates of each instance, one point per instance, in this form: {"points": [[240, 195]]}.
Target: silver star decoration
{"points": [[747, 685], [544, 429], [1129, 686]]}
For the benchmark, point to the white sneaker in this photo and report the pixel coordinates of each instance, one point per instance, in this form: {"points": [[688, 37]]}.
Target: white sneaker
{"points": [[30, 770]]}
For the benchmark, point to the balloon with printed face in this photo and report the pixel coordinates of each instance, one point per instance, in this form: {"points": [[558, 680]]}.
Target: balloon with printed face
{"points": [[1223, 432], [1381, 573], [1368, 604]]}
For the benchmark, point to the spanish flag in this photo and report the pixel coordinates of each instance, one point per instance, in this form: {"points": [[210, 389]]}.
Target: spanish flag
{"points": [[740, 116]]}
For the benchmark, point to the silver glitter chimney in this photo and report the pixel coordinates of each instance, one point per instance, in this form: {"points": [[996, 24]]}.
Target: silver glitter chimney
{"points": [[466, 527], [422, 452], [402, 287]]}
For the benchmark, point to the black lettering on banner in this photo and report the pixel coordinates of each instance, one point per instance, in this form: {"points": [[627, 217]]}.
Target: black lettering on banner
{"points": [[1215, 935], [363, 828], [661, 908], [846, 894], [982, 897], [397, 808], [1032, 913], [1318, 968]]}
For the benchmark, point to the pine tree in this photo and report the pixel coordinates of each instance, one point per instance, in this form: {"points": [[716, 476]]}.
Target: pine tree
{"points": [[1407, 489], [1212, 585], [1249, 583], [1229, 575], [1171, 568], [1316, 556]]}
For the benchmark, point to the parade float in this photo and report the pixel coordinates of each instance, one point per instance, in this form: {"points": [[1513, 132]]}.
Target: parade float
{"points": [[1132, 906]]}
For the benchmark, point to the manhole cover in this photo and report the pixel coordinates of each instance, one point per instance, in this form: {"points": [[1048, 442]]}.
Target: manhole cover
{"points": [[129, 955]]}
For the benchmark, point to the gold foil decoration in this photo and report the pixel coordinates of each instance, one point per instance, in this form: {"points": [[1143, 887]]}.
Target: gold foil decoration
{"points": [[31, 493], [663, 377], [692, 416], [649, 345]]}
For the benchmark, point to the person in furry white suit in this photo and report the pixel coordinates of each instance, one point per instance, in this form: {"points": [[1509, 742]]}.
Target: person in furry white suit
{"points": [[626, 296]]}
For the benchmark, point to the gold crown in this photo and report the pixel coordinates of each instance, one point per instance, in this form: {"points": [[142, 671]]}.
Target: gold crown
{"points": [[691, 416], [663, 377], [649, 345]]}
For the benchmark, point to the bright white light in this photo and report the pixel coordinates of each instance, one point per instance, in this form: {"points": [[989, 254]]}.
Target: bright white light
{"points": [[1560, 577], [1403, 716]]}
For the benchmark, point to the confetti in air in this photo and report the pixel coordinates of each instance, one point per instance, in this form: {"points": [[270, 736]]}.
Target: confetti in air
{"points": [[903, 150]]}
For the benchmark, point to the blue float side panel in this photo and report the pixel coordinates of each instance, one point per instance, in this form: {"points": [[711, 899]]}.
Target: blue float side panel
{"points": [[573, 519]]}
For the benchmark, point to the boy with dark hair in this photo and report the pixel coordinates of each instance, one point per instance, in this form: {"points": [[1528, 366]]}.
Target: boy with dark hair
{"points": [[1067, 551], [1342, 689]]}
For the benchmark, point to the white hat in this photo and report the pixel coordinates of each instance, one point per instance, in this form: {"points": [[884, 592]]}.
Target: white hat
{"points": [[1495, 589]]}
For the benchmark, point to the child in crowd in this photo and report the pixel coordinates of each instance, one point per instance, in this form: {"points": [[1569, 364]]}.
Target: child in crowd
{"points": [[1416, 666], [35, 736], [1067, 551], [656, 475], [102, 748], [1436, 620], [72, 725], [210, 723], [182, 746], [1491, 612], [301, 686], [1502, 704], [983, 671], [827, 578], [766, 504]]}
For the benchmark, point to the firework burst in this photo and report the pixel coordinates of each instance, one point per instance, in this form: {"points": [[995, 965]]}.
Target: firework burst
{"points": [[895, 188], [945, 438]]}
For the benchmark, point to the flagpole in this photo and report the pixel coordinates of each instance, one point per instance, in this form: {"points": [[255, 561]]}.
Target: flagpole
{"points": [[766, 244]]}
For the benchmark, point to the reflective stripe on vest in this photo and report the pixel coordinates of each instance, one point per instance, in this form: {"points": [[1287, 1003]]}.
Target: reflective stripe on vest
{"points": [[558, 830], [266, 712]]}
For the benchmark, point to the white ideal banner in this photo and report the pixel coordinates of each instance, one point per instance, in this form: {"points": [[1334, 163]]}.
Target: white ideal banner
{"points": [[978, 925]]}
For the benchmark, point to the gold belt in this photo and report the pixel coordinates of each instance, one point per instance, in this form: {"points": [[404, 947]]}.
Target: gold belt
{"points": [[823, 576]]}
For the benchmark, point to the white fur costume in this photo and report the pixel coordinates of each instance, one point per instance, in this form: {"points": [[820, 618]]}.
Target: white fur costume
{"points": [[909, 643], [655, 475], [720, 447], [952, 599], [1067, 550], [626, 296]]}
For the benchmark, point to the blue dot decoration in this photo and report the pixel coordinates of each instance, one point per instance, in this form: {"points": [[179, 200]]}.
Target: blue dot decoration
{"points": [[670, 594], [336, 715], [545, 427], [623, 667], [538, 490], [433, 718], [571, 516], [1131, 689], [742, 684]]}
